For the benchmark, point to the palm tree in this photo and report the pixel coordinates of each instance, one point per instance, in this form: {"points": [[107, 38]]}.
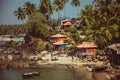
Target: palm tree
{"points": [[46, 8], [75, 3], [100, 23], [29, 8], [20, 13], [58, 6], [64, 2]]}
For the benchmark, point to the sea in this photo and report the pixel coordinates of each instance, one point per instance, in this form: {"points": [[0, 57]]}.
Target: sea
{"points": [[58, 72], [2, 42]]}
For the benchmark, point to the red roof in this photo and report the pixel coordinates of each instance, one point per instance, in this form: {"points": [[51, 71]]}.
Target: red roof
{"points": [[87, 45], [68, 23], [59, 35]]}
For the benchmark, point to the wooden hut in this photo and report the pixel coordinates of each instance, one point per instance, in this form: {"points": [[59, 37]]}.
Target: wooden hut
{"points": [[113, 53], [88, 48]]}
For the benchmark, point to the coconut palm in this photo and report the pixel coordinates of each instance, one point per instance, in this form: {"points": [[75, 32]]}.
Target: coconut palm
{"points": [[29, 8], [46, 8], [76, 3], [20, 14], [58, 6], [100, 23], [64, 2]]}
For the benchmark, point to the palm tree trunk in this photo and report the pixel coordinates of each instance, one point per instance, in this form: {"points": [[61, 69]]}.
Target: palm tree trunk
{"points": [[58, 15], [65, 12]]}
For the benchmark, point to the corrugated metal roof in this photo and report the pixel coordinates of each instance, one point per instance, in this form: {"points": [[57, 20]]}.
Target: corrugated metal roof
{"points": [[87, 45]]}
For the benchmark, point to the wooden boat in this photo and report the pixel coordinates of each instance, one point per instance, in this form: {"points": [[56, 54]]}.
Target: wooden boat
{"points": [[96, 69], [31, 74], [100, 68]]}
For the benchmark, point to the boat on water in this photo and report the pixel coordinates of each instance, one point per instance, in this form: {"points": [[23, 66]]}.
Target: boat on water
{"points": [[31, 74], [97, 69]]}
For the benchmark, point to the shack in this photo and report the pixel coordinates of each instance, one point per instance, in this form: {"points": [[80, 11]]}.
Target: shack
{"points": [[86, 48], [113, 54]]}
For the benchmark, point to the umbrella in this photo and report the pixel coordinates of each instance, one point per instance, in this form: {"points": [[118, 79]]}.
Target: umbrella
{"points": [[62, 46]]}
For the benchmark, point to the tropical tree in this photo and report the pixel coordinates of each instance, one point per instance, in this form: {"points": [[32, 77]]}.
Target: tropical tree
{"points": [[38, 26], [64, 3], [58, 6], [76, 3], [29, 8], [20, 14], [46, 8], [100, 23]]}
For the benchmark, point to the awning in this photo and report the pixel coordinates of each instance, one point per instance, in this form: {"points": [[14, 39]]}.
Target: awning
{"points": [[62, 46]]}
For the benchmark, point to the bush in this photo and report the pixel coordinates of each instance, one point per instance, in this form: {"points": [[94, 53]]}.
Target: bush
{"points": [[40, 47], [100, 52], [14, 44]]}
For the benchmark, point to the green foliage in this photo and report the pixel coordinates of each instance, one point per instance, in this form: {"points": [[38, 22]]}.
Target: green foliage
{"points": [[14, 44], [108, 34], [101, 22], [40, 47], [13, 29], [46, 7], [37, 24], [68, 41]]}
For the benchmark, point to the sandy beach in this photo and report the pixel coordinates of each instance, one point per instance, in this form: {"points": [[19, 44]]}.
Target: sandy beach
{"points": [[67, 60]]}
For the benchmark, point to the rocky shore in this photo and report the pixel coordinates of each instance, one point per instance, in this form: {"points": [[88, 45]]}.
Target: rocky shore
{"points": [[6, 64]]}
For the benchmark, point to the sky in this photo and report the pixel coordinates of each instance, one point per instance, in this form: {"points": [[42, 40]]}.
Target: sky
{"points": [[7, 8]]}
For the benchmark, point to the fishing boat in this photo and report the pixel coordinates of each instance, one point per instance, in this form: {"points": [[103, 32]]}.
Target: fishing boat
{"points": [[31, 74], [113, 54], [96, 69]]}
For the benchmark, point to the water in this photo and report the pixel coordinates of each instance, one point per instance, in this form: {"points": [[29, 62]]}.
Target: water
{"points": [[2, 43], [10, 75], [56, 72]]}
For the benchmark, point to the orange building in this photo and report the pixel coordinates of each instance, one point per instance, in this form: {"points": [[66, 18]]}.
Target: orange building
{"points": [[58, 40], [57, 37], [89, 48]]}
